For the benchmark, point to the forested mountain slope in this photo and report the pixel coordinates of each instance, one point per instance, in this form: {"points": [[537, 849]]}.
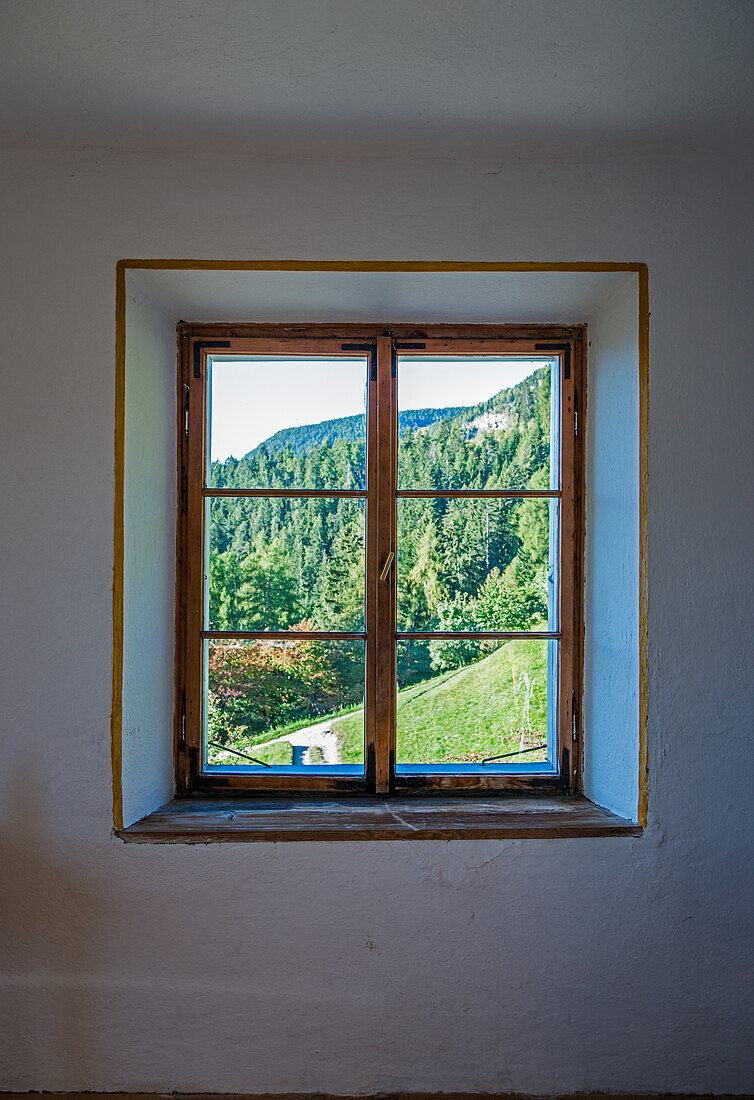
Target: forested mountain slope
{"points": [[302, 439], [331, 454], [462, 564]]}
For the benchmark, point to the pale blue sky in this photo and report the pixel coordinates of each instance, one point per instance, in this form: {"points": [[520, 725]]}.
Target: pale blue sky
{"points": [[253, 399]]}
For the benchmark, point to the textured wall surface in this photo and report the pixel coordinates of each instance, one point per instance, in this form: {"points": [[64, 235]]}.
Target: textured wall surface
{"points": [[537, 966], [150, 501], [610, 705]]}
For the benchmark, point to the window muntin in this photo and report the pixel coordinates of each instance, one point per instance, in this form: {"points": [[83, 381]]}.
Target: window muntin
{"points": [[388, 758]]}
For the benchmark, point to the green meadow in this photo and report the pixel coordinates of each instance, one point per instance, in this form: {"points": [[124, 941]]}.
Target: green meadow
{"points": [[497, 704]]}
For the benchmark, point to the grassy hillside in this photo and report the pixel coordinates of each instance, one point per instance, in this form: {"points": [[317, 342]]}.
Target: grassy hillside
{"points": [[469, 713], [464, 715]]}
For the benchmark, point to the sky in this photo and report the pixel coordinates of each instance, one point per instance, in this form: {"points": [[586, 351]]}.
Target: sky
{"points": [[254, 398]]}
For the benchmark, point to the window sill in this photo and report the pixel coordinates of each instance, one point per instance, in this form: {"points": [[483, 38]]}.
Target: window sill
{"points": [[212, 820]]}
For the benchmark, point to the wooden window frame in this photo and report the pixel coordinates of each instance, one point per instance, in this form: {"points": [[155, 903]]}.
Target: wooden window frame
{"points": [[196, 343]]}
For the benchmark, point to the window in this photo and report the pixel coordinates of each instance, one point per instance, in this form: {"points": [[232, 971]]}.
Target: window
{"points": [[379, 558]]}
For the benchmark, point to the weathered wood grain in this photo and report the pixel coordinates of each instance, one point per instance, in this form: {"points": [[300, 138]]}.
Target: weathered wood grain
{"points": [[370, 1096], [422, 817]]}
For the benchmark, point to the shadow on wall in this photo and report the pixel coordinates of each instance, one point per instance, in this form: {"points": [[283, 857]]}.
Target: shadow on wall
{"points": [[53, 929]]}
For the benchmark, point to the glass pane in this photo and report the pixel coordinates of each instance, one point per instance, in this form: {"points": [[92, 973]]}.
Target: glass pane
{"points": [[278, 564], [292, 703], [280, 423], [477, 423], [462, 702], [477, 564]]}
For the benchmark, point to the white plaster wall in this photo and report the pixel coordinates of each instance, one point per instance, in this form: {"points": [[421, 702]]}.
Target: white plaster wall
{"points": [[149, 555], [611, 557], [536, 966]]}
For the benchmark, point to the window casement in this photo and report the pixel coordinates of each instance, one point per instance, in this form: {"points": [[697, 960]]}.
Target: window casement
{"points": [[387, 601]]}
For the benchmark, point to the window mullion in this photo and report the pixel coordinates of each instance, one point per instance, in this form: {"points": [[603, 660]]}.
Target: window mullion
{"points": [[384, 586], [372, 550]]}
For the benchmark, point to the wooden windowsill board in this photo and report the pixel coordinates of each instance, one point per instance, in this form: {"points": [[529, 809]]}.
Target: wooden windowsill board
{"points": [[213, 820]]}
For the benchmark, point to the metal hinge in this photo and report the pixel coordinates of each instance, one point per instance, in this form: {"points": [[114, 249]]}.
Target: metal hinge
{"points": [[575, 411], [186, 408], [372, 348], [403, 345], [199, 345], [565, 768], [574, 718], [565, 348]]}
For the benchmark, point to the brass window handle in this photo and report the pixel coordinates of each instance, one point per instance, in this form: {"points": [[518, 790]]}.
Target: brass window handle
{"points": [[386, 566]]}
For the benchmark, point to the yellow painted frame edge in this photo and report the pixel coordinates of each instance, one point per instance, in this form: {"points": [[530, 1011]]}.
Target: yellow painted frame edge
{"points": [[643, 807], [379, 265], [116, 722], [116, 718]]}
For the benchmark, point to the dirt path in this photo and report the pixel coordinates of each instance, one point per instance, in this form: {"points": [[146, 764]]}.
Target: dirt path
{"points": [[319, 736]]}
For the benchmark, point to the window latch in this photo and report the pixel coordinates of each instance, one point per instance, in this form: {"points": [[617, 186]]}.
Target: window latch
{"points": [[518, 752], [386, 566]]}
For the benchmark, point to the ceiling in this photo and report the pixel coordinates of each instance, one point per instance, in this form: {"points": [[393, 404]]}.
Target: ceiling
{"points": [[436, 77]]}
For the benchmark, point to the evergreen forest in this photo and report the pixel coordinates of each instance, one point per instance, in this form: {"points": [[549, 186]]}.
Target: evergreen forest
{"points": [[285, 563]]}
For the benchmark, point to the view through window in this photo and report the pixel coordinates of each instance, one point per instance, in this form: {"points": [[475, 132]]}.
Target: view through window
{"points": [[374, 581]]}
